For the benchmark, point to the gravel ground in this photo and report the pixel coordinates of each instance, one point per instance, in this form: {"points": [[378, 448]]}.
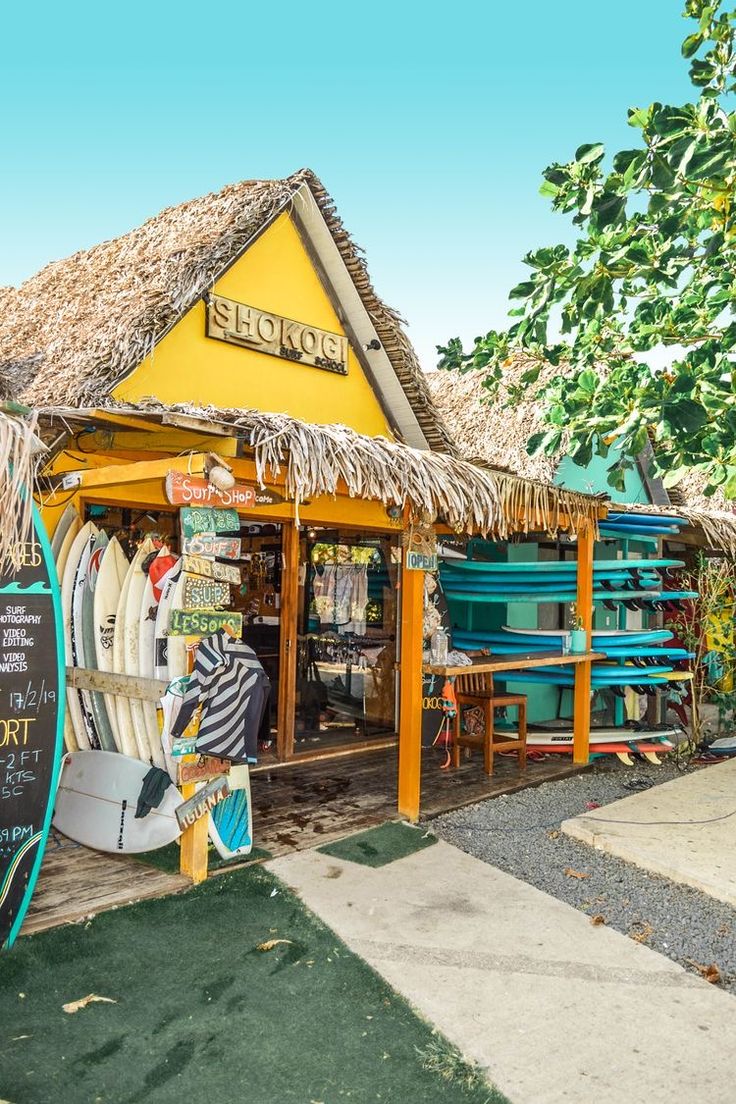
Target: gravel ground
{"points": [[519, 833]]}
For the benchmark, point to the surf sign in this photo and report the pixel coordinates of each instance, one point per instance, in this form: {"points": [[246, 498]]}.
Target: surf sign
{"points": [[32, 694]]}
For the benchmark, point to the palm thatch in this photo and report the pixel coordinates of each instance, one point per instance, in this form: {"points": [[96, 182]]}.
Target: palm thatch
{"points": [[318, 460], [19, 448], [81, 324], [496, 433]]}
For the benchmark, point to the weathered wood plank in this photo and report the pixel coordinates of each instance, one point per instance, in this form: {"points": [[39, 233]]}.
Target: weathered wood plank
{"points": [[126, 686]]}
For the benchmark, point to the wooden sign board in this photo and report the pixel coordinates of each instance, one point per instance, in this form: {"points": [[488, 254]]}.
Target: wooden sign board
{"points": [[203, 622], [210, 544], [239, 324], [31, 712], [211, 569], [207, 519], [202, 593], [192, 490], [211, 794], [201, 768], [420, 561]]}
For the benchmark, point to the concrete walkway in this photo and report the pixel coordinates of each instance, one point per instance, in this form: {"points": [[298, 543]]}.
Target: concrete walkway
{"points": [[700, 855], [552, 1007]]}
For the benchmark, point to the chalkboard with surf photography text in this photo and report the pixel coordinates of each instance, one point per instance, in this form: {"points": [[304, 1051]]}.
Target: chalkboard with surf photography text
{"points": [[31, 715]]}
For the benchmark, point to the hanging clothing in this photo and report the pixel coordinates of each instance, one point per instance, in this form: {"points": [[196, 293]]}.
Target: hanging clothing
{"points": [[358, 600], [232, 688]]}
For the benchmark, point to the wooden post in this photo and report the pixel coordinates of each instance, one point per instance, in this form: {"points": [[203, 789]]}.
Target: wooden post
{"points": [[287, 641], [193, 856], [584, 605], [410, 693]]}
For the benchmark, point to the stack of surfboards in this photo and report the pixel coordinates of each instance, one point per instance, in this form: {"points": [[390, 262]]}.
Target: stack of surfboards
{"points": [[638, 584]]}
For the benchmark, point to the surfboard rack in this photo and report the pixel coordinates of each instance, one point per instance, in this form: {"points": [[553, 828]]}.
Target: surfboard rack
{"points": [[194, 838]]}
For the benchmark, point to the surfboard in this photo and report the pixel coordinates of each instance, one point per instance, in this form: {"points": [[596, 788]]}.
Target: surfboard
{"points": [[82, 541], [631, 635], [564, 737], [89, 642], [647, 519], [96, 803], [110, 579], [619, 747], [146, 644], [131, 638], [545, 566], [176, 646], [32, 701], [89, 552], [63, 553], [126, 733], [231, 822], [161, 632], [472, 595], [65, 522], [519, 585]]}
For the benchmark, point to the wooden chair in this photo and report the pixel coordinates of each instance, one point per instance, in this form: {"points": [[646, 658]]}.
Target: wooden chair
{"points": [[476, 689]]}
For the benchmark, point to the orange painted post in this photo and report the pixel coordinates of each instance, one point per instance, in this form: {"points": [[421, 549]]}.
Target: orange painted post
{"points": [[193, 854], [410, 693], [584, 605]]}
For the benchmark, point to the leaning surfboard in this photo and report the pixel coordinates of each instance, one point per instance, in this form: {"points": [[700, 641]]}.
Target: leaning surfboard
{"points": [[31, 721]]}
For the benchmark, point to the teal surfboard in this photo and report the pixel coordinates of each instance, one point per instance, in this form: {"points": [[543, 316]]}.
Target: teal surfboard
{"points": [[570, 596], [32, 696], [546, 566]]}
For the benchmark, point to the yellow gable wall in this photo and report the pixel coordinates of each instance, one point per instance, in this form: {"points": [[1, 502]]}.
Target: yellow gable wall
{"points": [[275, 274]]}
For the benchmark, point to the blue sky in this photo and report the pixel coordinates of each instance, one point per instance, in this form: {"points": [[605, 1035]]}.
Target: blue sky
{"points": [[429, 125]]}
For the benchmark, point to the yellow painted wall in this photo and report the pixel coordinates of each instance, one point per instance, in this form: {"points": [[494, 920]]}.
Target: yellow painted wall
{"points": [[275, 275]]}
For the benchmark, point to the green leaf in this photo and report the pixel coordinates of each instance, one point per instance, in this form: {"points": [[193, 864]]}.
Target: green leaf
{"points": [[535, 442], [691, 45], [587, 154]]}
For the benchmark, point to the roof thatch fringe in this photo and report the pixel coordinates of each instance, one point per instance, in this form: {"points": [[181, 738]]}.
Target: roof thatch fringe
{"points": [[19, 449], [718, 526], [314, 459]]}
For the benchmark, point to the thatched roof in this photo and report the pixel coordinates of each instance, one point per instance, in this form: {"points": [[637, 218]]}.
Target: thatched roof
{"points": [[497, 434], [81, 324], [19, 454], [488, 429], [315, 459]]}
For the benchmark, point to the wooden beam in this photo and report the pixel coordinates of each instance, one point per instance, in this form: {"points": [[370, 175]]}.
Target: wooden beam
{"points": [[124, 686], [583, 671], [410, 693], [193, 854], [288, 641]]}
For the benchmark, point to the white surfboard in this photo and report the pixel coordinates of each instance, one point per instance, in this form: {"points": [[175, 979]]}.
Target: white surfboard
{"points": [[146, 643], [77, 635], [96, 803], [110, 581], [81, 542], [95, 699], [62, 528], [564, 737], [161, 634], [131, 632], [176, 648], [128, 745]]}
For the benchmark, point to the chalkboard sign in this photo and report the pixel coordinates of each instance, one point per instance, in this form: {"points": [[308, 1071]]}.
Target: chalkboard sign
{"points": [[31, 721]]}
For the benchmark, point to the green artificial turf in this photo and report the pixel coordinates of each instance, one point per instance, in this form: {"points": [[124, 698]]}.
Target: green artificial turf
{"points": [[382, 845], [203, 1015], [167, 859]]}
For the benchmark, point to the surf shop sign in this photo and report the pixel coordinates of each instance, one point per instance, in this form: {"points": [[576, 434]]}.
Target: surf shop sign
{"points": [[191, 490], [239, 324]]}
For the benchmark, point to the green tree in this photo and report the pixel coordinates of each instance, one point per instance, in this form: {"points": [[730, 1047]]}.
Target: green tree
{"points": [[653, 268]]}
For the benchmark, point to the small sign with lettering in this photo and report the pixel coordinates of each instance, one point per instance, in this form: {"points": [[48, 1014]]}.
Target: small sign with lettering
{"points": [[200, 768], [239, 324], [211, 794], [200, 565], [421, 561], [209, 544], [186, 490], [203, 622], [202, 593], [207, 519]]}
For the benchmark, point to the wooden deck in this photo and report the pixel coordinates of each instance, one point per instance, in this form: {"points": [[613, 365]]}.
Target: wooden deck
{"points": [[295, 806]]}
